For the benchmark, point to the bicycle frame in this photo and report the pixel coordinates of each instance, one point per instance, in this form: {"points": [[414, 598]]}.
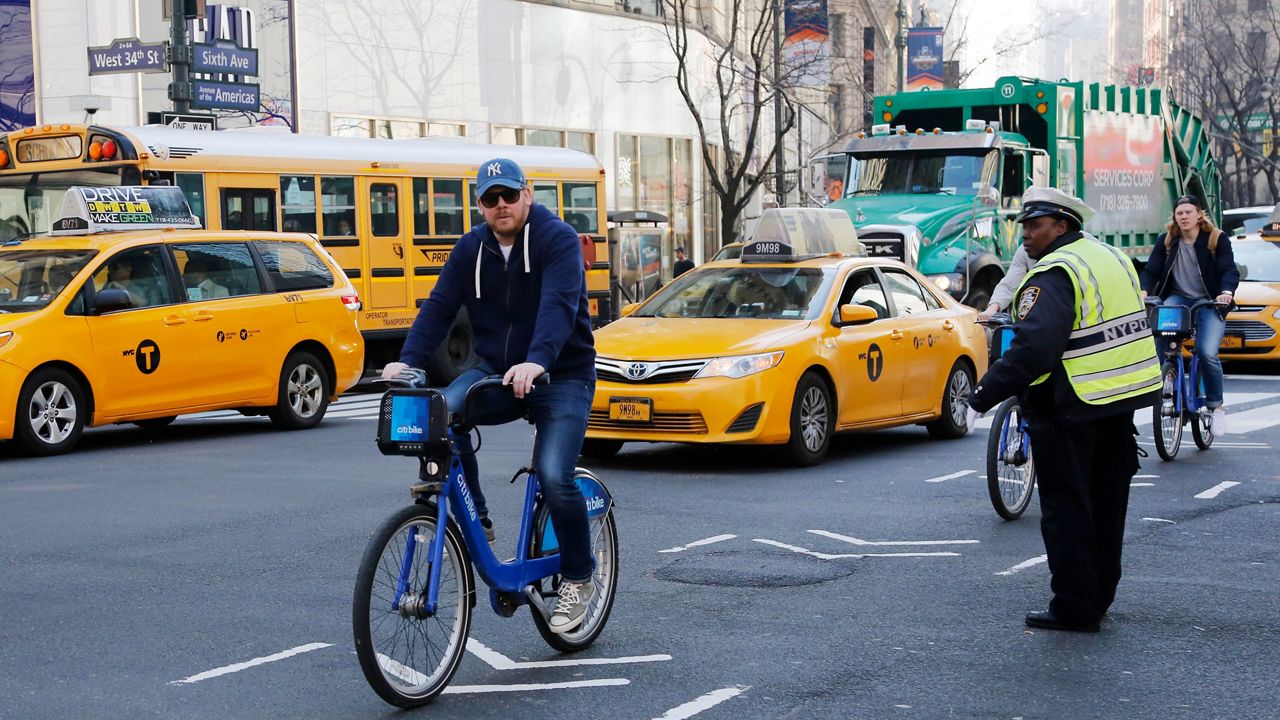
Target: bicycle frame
{"points": [[1024, 440], [1188, 400]]}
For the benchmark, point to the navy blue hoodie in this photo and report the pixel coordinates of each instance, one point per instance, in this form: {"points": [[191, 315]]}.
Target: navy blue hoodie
{"points": [[540, 315]]}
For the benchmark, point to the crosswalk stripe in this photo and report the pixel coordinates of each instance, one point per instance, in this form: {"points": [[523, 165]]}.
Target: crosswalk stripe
{"points": [[1249, 420]]}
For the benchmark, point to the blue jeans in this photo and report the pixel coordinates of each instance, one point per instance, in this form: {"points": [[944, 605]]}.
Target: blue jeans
{"points": [[559, 411], [1210, 327]]}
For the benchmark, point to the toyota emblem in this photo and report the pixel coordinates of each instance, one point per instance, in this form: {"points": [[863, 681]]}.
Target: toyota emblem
{"points": [[638, 371]]}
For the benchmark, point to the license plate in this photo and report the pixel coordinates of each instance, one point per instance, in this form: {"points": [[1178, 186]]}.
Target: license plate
{"points": [[1232, 341], [631, 409]]}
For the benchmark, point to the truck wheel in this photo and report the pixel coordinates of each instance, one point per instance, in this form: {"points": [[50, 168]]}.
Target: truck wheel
{"points": [[978, 298], [457, 353], [51, 413]]}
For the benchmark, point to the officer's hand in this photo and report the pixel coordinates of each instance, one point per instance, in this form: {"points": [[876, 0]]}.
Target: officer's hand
{"points": [[991, 310], [393, 370], [520, 377]]}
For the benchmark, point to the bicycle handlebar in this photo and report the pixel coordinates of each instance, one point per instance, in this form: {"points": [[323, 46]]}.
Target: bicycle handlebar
{"points": [[485, 383], [999, 319], [1157, 302]]}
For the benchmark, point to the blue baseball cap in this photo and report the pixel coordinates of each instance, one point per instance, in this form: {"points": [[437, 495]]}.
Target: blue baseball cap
{"points": [[499, 172]]}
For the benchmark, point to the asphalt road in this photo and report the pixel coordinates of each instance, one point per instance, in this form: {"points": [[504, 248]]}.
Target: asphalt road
{"points": [[206, 571]]}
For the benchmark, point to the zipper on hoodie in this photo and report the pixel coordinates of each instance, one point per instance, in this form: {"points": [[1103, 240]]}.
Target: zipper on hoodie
{"points": [[506, 303]]}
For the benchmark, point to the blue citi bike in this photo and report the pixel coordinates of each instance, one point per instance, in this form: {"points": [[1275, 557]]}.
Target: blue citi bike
{"points": [[1011, 471], [415, 589], [1181, 399]]}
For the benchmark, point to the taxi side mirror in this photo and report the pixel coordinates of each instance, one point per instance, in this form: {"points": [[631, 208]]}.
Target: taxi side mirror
{"points": [[628, 309], [857, 314], [109, 301]]}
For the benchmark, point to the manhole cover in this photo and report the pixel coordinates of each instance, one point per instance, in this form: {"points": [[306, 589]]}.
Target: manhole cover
{"points": [[754, 568]]}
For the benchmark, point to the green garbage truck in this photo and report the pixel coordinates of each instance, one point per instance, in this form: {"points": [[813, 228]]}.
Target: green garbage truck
{"points": [[938, 181]]}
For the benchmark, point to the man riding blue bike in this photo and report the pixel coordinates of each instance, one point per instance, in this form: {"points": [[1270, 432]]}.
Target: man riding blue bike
{"points": [[520, 276], [1193, 261]]}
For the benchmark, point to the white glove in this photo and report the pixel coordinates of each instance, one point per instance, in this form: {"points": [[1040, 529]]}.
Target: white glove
{"points": [[971, 416]]}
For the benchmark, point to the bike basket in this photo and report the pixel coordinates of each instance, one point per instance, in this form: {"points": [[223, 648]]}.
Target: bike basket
{"points": [[412, 421], [1172, 319], [1001, 339]]}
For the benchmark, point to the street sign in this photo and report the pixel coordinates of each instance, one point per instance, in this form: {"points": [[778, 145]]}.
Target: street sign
{"points": [[211, 95], [186, 121], [224, 57], [127, 55]]}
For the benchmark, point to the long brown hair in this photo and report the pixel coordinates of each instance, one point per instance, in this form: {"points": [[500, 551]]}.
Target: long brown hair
{"points": [[1171, 230]]}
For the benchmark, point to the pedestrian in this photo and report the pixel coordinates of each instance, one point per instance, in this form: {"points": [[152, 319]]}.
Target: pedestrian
{"points": [[519, 274], [683, 263], [1081, 362], [1193, 261]]}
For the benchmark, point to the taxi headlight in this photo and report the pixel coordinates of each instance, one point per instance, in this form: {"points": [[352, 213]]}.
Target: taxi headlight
{"points": [[1276, 314], [5, 337], [949, 282], [739, 365]]}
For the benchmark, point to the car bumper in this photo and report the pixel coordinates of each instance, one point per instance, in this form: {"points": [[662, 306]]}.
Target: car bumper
{"points": [[11, 379], [348, 362], [754, 409], [1261, 333]]}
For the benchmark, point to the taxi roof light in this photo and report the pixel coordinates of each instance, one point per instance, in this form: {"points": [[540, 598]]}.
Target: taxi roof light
{"points": [[89, 210], [795, 234]]}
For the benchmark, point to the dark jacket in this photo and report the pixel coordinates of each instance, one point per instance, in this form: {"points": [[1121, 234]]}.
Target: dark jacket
{"points": [[1037, 348], [1218, 269], [541, 316]]}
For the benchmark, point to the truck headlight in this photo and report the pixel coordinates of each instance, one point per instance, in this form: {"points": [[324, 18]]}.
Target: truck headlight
{"points": [[739, 365], [949, 282]]}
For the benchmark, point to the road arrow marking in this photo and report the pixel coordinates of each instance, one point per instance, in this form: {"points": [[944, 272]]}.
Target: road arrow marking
{"points": [[498, 661], [237, 667], [698, 543], [857, 541], [705, 702]]}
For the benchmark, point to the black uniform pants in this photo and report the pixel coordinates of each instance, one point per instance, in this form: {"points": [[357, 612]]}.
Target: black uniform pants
{"points": [[1084, 470]]}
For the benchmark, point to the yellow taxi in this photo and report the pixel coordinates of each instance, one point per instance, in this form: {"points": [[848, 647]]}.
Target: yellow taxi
{"points": [[101, 325], [1253, 328], [800, 338]]}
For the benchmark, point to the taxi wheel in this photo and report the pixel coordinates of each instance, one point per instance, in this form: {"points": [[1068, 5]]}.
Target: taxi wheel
{"points": [[304, 393], [955, 403], [51, 412], [812, 421], [600, 449]]}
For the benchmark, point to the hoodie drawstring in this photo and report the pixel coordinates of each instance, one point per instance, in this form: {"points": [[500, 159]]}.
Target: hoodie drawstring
{"points": [[480, 258]]}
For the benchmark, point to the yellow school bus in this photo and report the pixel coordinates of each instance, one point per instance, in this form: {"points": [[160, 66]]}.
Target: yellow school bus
{"points": [[388, 211]]}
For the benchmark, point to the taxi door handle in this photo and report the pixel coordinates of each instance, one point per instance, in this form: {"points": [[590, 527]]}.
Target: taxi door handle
{"points": [[174, 320], [203, 316], [895, 335], [948, 325]]}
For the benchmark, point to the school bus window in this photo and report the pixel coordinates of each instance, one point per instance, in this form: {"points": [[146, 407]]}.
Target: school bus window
{"points": [[449, 206], [580, 208], [192, 185], [421, 207], [384, 213], [338, 205], [298, 202], [293, 266], [472, 202], [547, 194], [216, 270]]}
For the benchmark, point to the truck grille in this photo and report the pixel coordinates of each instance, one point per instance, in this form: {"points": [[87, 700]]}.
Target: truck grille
{"points": [[638, 372], [683, 423], [1252, 330], [882, 245]]}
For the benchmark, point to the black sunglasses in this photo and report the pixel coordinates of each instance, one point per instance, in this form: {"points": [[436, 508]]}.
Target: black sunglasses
{"points": [[508, 195]]}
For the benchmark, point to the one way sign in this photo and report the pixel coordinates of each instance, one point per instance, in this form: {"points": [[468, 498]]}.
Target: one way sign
{"points": [[181, 121]]}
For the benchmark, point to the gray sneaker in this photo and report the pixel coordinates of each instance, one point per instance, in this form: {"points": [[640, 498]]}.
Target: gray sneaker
{"points": [[489, 535], [571, 607]]}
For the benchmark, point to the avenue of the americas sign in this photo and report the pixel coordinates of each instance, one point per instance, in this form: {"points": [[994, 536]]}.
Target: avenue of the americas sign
{"points": [[231, 96], [127, 55]]}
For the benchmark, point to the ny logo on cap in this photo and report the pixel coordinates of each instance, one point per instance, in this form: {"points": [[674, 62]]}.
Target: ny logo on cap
{"points": [[494, 169]]}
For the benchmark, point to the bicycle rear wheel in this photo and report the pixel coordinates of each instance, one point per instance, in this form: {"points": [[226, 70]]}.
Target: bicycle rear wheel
{"points": [[1011, 473], [408, 654], [1202, 429], [1166, 421], [604, 546]]}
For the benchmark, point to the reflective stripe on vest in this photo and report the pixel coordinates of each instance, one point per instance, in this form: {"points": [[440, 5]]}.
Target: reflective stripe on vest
{"points": [[1110, 355]]}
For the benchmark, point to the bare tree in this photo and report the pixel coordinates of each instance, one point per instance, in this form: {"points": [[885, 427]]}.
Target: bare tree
{"points": [[733, 110]]}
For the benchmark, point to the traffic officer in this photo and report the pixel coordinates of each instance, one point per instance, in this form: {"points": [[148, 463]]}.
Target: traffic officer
{"points": [[1082, 361]]}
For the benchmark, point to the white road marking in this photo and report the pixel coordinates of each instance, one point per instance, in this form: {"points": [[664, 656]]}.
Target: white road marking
{"points": [[952, 476], [858, 541], [1156, 519], [845, 556], [706, 702], [1217, 444], [237, 667], [697, 543], [406, 674], [1142, 484], [1216, 490], [1024, 565], [467, 689], [1261, 418], [1145, 476], [498, 661]]}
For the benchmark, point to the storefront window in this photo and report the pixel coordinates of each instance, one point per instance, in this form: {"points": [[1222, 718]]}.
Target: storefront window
{"points": [[624, 173], [504, 136], [655, 174], [584, 141], [391, 129], [711, 208], [681, 193], [350, 127], [544, 138]]}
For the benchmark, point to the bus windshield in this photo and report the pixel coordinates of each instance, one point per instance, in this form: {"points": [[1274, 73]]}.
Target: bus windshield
{"points": [[29, 203], [919, 173]]}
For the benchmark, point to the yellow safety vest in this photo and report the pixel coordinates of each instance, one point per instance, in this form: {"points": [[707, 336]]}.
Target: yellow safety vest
{"points": [[1111, 355]]}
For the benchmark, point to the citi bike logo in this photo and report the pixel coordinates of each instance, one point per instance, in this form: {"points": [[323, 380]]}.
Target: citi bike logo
{"points": [[595, 502], [466, 498], [409, 430]]}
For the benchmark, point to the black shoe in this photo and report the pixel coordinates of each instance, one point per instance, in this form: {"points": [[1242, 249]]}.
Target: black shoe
{"points": [[1049, 621]]}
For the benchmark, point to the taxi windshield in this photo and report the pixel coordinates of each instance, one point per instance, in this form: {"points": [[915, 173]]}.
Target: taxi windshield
{"points": [[31, 279], [747, 291], [1258, 261]]}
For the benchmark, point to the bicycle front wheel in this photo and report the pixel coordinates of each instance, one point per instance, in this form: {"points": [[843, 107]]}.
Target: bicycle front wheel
{"points": [[1202, 429], [407, 652], [1011, 472], [1166, 421]]}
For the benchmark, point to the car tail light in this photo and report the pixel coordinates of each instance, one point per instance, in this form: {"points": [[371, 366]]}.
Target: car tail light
{"points": [[352, 302]]}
